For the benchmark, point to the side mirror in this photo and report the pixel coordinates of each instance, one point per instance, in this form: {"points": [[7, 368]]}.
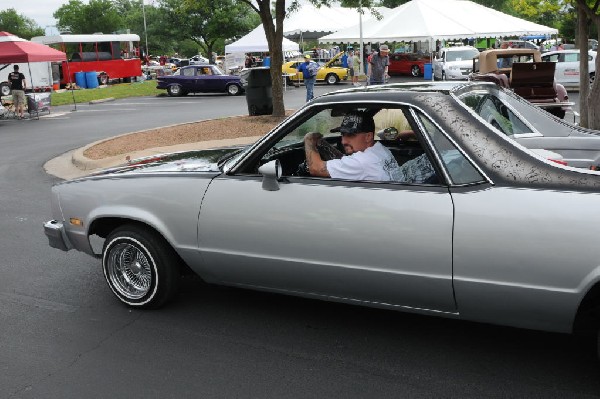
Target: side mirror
{"points": [[271, 172]]}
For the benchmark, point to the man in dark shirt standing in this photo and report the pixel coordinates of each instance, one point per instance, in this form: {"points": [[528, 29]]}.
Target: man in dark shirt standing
{"points": [[378, 66], [17, 86]]}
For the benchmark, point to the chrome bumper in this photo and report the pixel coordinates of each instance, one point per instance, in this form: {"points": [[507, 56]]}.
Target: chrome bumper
{"points": [[57, 237]]}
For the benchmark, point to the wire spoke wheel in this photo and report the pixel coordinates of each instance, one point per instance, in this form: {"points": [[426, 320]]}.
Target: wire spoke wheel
{"points": [[129, 270], [140, 266]]}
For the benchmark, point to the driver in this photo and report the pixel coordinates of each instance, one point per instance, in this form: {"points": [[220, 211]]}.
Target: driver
{"points": [[365, 159]]}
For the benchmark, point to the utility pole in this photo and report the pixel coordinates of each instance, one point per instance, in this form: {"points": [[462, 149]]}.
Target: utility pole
{"points": [[145, 30]]}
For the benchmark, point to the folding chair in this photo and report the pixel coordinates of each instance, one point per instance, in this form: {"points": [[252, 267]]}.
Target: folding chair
{"points": [[8, 110]]}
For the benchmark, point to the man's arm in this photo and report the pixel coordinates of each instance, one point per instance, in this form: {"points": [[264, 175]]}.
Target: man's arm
{"points": [[316, 166]]}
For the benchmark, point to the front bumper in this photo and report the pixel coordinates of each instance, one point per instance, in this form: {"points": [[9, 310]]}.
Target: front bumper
{"points": [[57, 237]]}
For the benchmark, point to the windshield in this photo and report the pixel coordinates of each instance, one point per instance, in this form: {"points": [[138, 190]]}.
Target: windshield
{"points": [[461, 55]]}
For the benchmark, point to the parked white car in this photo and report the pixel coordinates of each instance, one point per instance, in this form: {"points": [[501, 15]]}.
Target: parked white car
{"points": [[567, 70], [198, 59], [454, 63]]}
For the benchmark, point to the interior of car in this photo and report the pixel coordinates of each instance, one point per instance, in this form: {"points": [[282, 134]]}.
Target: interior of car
{"points": [[392, 128]]}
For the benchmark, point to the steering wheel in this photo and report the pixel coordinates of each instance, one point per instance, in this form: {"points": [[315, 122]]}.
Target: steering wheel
{"points": [[327, 152]]}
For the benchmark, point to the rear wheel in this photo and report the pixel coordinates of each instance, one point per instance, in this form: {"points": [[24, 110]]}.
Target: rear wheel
{"points": [[233, 89], [415, 71], [332, 79], [103, 78], [140, 267], [175, 91], [592, 77]]}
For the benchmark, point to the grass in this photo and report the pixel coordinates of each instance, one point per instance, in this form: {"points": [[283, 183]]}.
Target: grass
{"points": [[120, 90]]}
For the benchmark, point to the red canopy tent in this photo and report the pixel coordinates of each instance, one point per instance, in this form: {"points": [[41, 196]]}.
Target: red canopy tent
{"points": [[14, 49]]}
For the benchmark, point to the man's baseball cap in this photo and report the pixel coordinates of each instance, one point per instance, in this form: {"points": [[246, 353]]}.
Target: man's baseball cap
{"points": [[307, 57], [356, 122], [384, 47]]}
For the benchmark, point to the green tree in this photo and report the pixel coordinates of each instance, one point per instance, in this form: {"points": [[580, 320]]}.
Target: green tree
{"points": [[208, 22], [96, 16], [19, 25], [545, 12]]}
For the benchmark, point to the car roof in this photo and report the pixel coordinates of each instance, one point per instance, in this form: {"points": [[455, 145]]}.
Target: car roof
{"points": [[459, 48], [574, 50]]}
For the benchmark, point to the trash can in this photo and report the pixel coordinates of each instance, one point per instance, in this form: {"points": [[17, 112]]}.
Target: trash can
{"points": [[91, 80], [80, 80], [427, 71], [259, 95]]}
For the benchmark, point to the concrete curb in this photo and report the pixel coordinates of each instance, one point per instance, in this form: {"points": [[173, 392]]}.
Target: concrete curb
{"points": [[74, 164], [102, 100]]}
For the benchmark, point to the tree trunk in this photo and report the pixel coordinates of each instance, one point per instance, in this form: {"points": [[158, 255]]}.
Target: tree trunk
{"points": [[275, 39], [590, 103], [584, 86]]}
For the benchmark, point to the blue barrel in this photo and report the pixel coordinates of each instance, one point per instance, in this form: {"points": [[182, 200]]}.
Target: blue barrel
{"points": [[91, 78], [427, 71], [80, 80]]}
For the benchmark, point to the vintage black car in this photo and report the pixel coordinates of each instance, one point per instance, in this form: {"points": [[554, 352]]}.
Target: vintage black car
{"points": [[203, 78]]}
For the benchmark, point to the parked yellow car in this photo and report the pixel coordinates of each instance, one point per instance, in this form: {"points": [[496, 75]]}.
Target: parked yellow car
{"points": [[331, 72]]}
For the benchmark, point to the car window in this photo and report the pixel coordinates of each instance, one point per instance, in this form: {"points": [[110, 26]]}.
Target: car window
{"points": [[496, 113], [571, 57], [461, 55], [188, 71], [550, 58], [459, 168], [408, 162]]}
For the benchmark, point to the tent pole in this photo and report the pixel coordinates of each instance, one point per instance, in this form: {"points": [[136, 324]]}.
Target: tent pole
{"points": [[361, 58], [71, 85], [37, 113]]}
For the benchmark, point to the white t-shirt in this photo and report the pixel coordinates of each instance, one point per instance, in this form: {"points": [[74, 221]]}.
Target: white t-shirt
{"points": [[375, 163]]}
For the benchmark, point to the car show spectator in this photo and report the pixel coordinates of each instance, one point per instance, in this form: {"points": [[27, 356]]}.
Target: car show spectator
{"points": [[344, 59], [309, 73], [18, 85], [356, 64], [377, 71], [249, 63]]}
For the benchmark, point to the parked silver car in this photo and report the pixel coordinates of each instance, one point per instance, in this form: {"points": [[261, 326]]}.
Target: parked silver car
{"points": [[474, 238]]}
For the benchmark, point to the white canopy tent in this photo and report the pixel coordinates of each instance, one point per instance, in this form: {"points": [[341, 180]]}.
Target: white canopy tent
{"points": [[430, 20], [256, 41], [310, 22]]}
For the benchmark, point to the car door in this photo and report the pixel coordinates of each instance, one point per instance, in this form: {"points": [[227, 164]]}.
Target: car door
{"points": [[568, 68], [378, 242], [394, 67], [210, 80]]}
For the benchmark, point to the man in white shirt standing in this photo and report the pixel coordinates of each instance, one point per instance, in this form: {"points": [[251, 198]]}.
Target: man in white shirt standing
{"points": [[365, 159]]}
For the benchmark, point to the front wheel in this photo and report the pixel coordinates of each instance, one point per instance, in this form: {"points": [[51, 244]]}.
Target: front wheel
{"points": [[175, 91], [233, 90], [415, 71], [140, 267], [332, 79], [592, 77]]}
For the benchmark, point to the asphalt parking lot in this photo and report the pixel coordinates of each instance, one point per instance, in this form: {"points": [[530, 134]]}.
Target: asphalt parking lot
{"points": [[65, 336]]}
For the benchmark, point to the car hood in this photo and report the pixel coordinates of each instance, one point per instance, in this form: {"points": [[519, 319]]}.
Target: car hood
{"points": [[186, 161]]}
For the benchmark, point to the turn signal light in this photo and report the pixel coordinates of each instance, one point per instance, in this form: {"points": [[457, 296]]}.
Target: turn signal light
{"points": [[76, 222]]}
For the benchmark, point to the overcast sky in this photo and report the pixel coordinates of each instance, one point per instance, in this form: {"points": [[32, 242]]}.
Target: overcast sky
{"points": [[39, 10]]}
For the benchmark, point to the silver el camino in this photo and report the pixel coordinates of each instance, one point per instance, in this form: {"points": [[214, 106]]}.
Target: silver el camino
{"points": [[502, 227]]}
